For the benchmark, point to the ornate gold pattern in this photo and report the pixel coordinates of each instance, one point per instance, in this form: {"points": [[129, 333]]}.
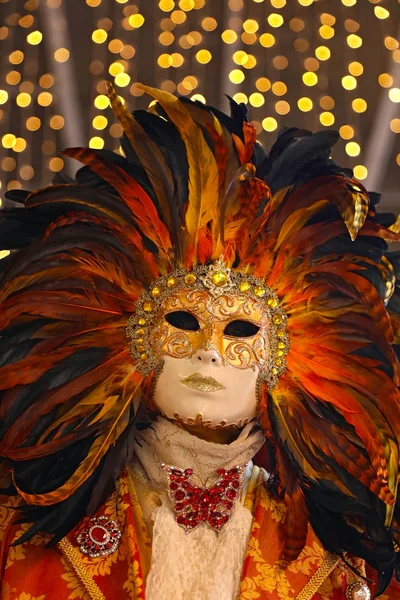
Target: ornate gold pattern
{"points": [[75, 560], [215, 294], [324, 570]]}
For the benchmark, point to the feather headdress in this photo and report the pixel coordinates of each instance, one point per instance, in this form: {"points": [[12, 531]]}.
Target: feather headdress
{"points": [[194, 185]]}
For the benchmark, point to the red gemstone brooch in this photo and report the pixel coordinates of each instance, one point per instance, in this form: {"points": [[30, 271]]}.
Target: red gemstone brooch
{"points": [[193, 504], [100, 538]]}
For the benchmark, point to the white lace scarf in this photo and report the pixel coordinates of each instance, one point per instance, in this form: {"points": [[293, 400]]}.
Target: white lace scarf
{"points": [[201, 565]]}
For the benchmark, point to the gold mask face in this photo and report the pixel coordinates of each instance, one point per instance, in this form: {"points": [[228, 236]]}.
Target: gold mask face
{"points": [[235, 327], [212, 307]]}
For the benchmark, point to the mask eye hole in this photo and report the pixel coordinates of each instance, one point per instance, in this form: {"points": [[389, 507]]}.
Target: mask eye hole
{"points": [[183, 320], [239, 328]]}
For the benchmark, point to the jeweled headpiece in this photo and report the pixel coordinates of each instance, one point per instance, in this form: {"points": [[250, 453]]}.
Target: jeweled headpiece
{"points": [[297, 235]]}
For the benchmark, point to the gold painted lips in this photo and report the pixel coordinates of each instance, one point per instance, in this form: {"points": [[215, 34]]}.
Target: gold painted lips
{"points": [[202, 383]]}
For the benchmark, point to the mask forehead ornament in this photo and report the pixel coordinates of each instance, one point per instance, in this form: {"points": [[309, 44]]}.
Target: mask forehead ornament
{"points": [[215, 294]]}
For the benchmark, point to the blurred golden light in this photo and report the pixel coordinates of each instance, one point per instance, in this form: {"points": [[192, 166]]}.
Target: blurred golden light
{"points": [[199, 98], [46, 81], [13, 78], [122, 79], [229, 36], [187, 5], [105, 24], [240, 98], [282, 107], [194, 37], [351, 25], [166, 5], [360, 172], [8, 164], [23, 100], [349, 2], [209, 24], [323, 53], [14, 185], [279, 88], [235, 5], [398, 159], [269, 124], [394, 94], [326, 31], [263, 84], [256, 99], [115, 46], [57, 122], [56, 164], [3, 96], [116, 130], [185, 42], [327, 102], [354, 41], [353, 149], [166, 38], [93, 3], [301, 45], [168, 86], [45, 99], [34, 38], [240, 57], [385, 80], [349, 82], [296, 25], [177, 59], [236, 76], [164, 61], [20, 145], [99, 36], [310, 78], [190, 83], [136, 21], [115, 68], [96, 142], [33, 123], [61, 55], [280, 62], [203, 56], [327, 119], [100, 122], [101, 101], [8, 140], [275, 20], [395, 125], [26, 21], [356, 68], [27, 87], [328, 19], [305, 104], [305, 2], [128, 51], [359, 105], [278, 3], [178, 17], [167, 24], [250, 26], [16, 57], [346, 132], [26, 172], [3, 33], [249, 38], [381, 13], [267, 40], [101, 87], [391, 43], [311, 64]]}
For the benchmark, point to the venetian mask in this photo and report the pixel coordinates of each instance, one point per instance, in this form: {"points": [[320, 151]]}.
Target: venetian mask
{"points": [[210, 334]]}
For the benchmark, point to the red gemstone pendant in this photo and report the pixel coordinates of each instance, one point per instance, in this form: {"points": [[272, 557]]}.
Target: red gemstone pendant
{"points": [[193, 504], [100, 538]]}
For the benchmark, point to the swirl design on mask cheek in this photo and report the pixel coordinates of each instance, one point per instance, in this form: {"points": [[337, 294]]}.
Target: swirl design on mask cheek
{"points": [[243, 297]]}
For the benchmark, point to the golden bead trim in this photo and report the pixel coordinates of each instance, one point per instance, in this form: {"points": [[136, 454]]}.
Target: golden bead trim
{"points": [[217, 279], [75, 560], [324, 570]]}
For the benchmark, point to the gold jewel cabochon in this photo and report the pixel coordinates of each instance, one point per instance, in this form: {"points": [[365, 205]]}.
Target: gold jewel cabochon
{"points": [[206, 287]]}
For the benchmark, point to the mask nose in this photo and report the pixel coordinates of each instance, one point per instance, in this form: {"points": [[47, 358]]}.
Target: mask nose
{"points": [[208, 357]]}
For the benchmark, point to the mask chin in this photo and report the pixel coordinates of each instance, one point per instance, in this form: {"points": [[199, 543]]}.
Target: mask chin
{"points": [[203, 392]]}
